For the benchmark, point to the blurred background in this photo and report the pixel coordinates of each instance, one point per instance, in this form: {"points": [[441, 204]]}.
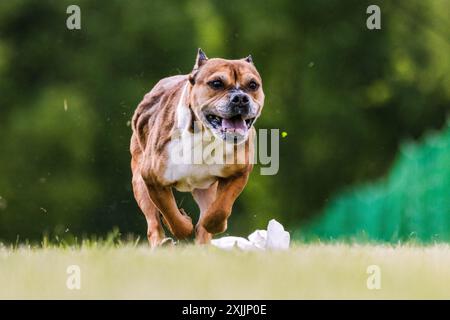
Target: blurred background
{"points": [[367, 151]]}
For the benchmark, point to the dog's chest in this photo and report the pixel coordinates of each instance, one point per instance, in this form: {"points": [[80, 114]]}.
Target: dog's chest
{"points": [[192, 163], [189, 177]]}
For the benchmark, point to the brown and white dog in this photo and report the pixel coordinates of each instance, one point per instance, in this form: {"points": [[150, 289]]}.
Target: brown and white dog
{"points": [[219, 98]]}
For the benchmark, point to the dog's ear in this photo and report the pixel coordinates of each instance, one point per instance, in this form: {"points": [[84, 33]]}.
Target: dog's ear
{"points": [[199, 61], [249, 59]]}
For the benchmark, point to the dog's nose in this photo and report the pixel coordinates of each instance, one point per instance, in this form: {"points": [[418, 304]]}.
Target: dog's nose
{"points": [[240, 103]]}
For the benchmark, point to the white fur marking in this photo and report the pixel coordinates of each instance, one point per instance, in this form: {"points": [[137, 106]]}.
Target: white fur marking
{"points": [[202, 172]]}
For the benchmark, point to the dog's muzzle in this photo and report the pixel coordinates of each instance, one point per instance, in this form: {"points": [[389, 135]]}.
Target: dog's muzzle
{"points": [[240, 104], [232, 122]]}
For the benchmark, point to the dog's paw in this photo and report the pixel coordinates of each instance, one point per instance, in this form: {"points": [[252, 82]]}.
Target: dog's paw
{"points": [[215, 224], [168, 242], [185, 228], [201, 235], [164, 242]]}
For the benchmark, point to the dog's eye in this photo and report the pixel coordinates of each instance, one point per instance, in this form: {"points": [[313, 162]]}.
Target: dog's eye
{"points": [[216, 84], [253, 85]]}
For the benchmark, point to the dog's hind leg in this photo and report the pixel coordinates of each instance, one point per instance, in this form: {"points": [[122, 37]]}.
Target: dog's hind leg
{"points": [[204, 199], [155, 231]]}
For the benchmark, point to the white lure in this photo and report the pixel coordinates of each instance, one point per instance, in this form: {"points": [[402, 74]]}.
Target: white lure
{"points": [[274, 238]]}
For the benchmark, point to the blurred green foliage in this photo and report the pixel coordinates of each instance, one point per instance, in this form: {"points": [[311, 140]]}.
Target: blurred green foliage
{"points": [[346, 96], [411, 203]]}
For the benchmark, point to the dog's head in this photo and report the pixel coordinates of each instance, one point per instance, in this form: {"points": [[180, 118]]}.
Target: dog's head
{"points": [[226, 96]]}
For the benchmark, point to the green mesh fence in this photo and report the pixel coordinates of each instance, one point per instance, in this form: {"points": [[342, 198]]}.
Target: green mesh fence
{"points": [[412, 202]]}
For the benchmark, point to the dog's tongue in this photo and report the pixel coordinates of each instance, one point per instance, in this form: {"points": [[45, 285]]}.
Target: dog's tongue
{"points": [[236, 125]]}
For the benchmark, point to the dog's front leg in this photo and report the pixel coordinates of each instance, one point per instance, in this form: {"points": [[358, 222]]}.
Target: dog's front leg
{"points": [[204, 199], [179, 223], [228, 189]]}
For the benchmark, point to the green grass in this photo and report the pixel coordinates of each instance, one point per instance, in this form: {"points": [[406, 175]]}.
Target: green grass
{"points": [[307, 271]]}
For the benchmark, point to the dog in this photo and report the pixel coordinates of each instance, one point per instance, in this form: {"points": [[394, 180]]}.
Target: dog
{"points": [[221, 99]]}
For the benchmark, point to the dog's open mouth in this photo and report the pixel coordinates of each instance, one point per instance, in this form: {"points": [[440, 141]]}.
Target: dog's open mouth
{"points": [[234, 125]]}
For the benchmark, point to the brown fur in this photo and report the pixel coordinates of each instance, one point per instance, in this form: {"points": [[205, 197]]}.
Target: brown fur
{"points": [[154, 124]]}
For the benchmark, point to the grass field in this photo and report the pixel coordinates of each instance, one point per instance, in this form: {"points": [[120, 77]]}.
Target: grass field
{"points": [[306, 271]]}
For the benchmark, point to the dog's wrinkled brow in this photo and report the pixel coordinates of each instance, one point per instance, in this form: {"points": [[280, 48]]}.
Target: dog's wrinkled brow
{"points": [[218, 75]]}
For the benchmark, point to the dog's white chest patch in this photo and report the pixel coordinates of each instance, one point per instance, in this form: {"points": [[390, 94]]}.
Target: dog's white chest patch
{"points": [[195, 162]]}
